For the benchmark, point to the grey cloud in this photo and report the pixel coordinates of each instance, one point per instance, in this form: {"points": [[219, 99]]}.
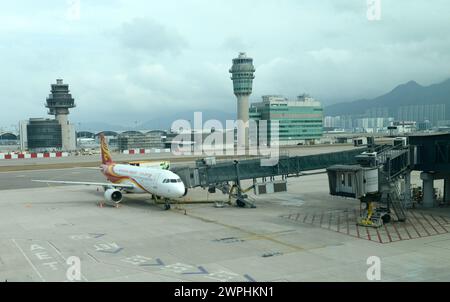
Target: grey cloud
{"points": [[151, 37], [235, 44], [135, 60]]}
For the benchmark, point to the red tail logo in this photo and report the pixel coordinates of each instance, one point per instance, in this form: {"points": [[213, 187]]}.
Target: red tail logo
{"points": [[106, 155]]}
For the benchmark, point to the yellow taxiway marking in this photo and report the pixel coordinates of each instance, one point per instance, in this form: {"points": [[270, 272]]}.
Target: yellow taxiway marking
{"points": [[250, 233]]}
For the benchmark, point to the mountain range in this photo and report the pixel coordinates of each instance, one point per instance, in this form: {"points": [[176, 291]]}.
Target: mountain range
{"points": [[410, 93]]}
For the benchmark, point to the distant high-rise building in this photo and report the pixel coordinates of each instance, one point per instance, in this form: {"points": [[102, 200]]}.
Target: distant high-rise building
{"points": [[422, 112], [242, 76], [376, 112]]}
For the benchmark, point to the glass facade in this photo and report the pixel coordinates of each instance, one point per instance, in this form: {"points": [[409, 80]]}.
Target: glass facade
{"points": [[298, 121], [242, 75], [60, 100], [137, 140], [44, 134]]}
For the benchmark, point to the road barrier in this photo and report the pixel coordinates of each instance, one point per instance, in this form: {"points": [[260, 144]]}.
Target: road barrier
{"points": [[6, 156], [145, 151]]}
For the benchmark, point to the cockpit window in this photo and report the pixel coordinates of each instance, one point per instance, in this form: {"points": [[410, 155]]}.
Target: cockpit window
{"points": [[165, 181]]}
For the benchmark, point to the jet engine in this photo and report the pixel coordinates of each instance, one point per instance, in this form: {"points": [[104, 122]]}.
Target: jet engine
{"points": [[113, 195], [185, 191]]}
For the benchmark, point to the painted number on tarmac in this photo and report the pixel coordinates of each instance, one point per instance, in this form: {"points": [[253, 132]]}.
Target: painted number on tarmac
{"points": [[222, 276], [112, 248], [137, 260], [178, 268]]}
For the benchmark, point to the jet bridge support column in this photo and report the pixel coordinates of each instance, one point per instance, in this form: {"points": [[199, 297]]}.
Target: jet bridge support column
{"points": [[408, 203], [428, 189], [447, 188]]}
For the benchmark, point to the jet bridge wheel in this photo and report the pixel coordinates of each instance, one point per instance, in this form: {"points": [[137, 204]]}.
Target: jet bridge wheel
{"points": [[240, 203], [386, 218]]}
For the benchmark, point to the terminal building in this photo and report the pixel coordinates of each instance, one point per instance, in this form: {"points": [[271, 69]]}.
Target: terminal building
{"points": [[39, 134], [300, 121], [8, 138], [138, 140]]}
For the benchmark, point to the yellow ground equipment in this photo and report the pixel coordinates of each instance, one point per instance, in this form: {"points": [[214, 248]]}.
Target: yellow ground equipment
{"points": [[373, 216]]}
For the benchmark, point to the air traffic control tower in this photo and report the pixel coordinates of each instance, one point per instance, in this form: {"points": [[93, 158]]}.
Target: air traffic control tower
{"points": [[58, 104], [242, 76]]}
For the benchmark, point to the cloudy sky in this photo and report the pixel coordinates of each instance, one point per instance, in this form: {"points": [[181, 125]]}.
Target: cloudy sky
{"points": [[132, 60]]}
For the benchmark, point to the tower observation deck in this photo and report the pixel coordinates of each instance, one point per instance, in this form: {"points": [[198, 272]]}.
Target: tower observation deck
{"points": [[242, 77], [58, 104], [60, 100]]}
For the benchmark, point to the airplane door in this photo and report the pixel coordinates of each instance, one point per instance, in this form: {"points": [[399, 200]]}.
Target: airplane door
{"points": [[157, 182]]}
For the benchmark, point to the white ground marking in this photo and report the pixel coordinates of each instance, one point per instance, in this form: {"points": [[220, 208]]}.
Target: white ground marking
{"points": [[28, 259], [65, 260]]}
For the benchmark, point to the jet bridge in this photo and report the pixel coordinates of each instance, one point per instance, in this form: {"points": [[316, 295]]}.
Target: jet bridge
{"points": [[378, 177], [218, 175]]}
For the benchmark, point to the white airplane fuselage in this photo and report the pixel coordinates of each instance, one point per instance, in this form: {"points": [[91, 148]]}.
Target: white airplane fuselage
{"points": [[150, 180]]}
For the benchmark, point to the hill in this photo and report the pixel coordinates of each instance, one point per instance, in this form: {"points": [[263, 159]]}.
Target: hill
{"points": [[410, 93]]}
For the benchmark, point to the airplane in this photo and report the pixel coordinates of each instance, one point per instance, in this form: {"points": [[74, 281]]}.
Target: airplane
{"points": [[132, 179]]}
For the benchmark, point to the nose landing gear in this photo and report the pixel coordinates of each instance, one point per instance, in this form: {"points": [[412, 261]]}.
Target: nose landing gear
{"points": [[166, 205], [166, 202]]}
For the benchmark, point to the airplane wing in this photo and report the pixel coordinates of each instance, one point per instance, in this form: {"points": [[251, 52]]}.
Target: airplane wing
{"points": [[102, 184]]}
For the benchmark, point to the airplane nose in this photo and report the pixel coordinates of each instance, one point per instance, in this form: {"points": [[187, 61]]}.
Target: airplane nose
{"points": [[180, 190]]}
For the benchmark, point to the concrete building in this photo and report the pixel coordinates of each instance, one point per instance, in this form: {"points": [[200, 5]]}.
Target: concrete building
{"points": [[242, 76], [373, 124], [201, 140], [300, 121], [424, 126], [138, 140], [39, 134], [403, 127], [332, 122]]}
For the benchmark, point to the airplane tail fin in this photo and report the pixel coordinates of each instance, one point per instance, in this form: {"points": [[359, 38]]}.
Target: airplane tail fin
{"points": [[106, 155]]}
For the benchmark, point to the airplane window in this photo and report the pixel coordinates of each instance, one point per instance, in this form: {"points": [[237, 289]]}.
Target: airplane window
{"points": [[165, 181], [173, 180], [178, 180]]}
